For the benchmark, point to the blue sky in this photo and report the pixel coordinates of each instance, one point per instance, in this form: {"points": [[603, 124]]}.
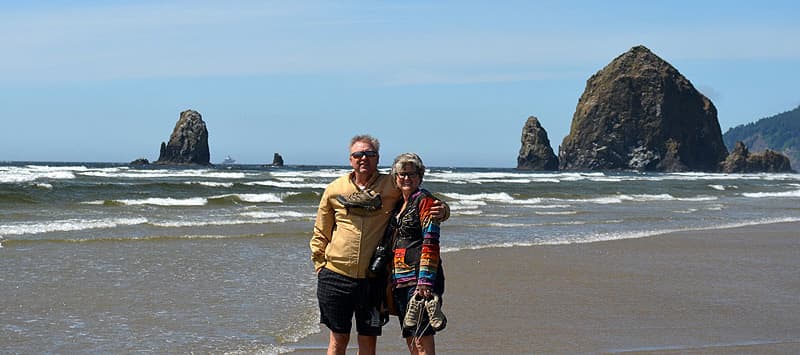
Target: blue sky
{"points": [[451, 80]]}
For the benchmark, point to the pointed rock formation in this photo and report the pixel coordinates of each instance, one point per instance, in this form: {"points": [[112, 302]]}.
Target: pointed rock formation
{"points": [[277, 160], [741, 161], [640, 113], [536, 152], [188, 143]]}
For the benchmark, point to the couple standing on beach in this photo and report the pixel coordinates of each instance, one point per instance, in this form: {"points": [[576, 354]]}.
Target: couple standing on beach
{"points": [[364, 211]]}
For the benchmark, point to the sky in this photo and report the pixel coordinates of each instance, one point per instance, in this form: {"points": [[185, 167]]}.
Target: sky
{"points": [[454, 81]]}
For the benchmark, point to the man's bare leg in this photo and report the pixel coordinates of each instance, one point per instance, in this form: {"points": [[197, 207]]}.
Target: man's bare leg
{"points": [[337, 345], [367, 344]]}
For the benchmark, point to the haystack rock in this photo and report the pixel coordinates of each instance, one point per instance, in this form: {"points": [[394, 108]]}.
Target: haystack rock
{"points": [[277, 160], [640, 113], [742, 161], [536, 152], [188, 143]]}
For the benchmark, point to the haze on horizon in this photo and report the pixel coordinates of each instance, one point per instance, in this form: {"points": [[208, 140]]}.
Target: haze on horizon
{"points": [[454, 81]]}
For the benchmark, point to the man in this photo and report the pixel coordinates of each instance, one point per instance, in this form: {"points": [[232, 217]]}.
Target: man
{"points": [[353, 214]]}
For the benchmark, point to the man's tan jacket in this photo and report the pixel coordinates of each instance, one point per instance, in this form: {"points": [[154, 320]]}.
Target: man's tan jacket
{"points": [[345, 238]]}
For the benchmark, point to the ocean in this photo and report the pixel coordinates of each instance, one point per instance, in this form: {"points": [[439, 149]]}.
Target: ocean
{"points": [[116, 259]]}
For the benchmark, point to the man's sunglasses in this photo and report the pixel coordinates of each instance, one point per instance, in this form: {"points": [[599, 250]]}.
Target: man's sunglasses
{"points": [[367, 153]]}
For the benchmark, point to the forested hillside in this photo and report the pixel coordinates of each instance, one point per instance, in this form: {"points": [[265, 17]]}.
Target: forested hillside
{"points": [[780, 133]]}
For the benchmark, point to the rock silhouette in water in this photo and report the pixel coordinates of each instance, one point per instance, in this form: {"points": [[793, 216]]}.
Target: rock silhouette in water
{"points": [[742, 161], [640, 113], [277, 160], [536, 152], [188, 143]]}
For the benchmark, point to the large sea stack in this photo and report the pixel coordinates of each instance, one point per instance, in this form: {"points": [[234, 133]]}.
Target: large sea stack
{"points": [[536, 152], [640, 113], [188, 143]]}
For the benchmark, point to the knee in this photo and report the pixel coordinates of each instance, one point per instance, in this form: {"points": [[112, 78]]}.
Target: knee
{"points": [[338, 342]]}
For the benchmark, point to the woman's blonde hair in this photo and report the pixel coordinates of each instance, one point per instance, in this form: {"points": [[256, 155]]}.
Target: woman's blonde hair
{"points": [[408, 159]]}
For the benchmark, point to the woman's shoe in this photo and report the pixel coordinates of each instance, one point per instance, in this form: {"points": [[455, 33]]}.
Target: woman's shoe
{"points": [[414, 311], [434, 307]]}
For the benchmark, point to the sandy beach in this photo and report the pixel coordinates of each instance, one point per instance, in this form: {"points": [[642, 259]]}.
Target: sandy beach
{"points": [[714, 291]]}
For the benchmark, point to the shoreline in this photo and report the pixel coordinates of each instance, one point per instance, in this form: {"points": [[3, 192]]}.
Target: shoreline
{"points": [[731, 290]]}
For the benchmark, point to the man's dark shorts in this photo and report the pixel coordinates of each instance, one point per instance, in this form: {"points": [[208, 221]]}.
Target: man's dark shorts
{"points": [[339, 297]]}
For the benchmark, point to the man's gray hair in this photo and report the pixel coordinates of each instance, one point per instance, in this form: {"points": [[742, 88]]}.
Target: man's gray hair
{"points": [[408, 159], [366, 138]]}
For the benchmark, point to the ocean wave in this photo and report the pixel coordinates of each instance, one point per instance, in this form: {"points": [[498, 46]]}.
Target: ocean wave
{"points": [[287, 185], [66, 225], [14, 198], [642, 198], [149, 174], [253, 198], [204, 223], [611, 236], [505, 198], [197, 201], [252, 217], [210, 183], [474, 212], [155, 238], [16, 175], [500, 197], [281, 214], [166, 201], [792, 193], [556, 213], [316, 173]]}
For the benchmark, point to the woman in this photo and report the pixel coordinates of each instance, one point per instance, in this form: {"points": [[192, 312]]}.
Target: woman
{"points": [[417, 275]]}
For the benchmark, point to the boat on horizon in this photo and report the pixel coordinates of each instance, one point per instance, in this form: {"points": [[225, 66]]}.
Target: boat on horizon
{"points": [[228, 160]]}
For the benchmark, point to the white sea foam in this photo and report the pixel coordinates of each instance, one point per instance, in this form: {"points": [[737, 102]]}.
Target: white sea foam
{"points": [[167, 201], [15, 174], [601, 237], [147, 174], [288, 185], [320, 173], [254, 198], [792, 193], [547, 206], [717, 187], [251, 217], [642, 198], [599, 200], [281, 214], [210, 183], [496, 197], [66, 225], [466, 212], [512, 177], [227, 222], [557, 213]]}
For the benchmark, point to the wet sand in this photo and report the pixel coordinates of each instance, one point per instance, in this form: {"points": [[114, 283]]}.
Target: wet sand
{"points": [[717, 291]]}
